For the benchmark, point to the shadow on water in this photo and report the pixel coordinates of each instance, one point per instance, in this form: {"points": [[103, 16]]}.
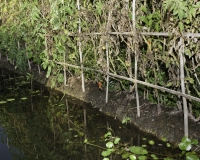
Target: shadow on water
{"points": [[44, 124]]}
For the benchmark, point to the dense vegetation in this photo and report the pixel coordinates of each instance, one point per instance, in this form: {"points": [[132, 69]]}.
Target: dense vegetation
{"points": [[47, 32]]}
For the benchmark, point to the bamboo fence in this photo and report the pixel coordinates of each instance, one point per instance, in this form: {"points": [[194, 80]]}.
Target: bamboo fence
{"points": [[135, 80], [131, 79]]}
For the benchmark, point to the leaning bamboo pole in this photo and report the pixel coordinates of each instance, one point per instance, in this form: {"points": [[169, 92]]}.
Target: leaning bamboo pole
{"points": [[134, 80], [182, 78], [80, 50], [139, 33]]}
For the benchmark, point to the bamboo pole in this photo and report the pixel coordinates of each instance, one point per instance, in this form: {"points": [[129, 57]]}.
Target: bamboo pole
{"points": [[182, 77], [134, 80], [64, 70], [136, 60], [29, 64], [80, 51], [107, 57], [38, 68], [132, 33], [107, 72]]}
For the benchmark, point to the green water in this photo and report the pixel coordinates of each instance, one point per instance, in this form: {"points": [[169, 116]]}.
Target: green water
{"points": [[43, 124]]}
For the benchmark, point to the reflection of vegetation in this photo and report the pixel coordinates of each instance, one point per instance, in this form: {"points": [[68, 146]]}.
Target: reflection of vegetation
{"points": [[36, 124]]}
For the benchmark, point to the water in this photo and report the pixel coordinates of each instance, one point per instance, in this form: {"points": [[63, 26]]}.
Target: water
{"points": [[5, 153], [43, 124]]}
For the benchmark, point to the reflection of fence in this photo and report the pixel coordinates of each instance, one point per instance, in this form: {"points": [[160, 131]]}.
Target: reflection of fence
{"points": [[106, 69]]}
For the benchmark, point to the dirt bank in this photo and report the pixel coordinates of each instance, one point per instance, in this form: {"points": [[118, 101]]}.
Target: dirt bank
{"points": [[167, 123]]}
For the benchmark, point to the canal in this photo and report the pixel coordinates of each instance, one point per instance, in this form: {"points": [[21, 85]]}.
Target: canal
{"points": [[40, 123]]}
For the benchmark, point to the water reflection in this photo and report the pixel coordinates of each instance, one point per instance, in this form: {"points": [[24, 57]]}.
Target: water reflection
{"points": [[44, 124], [5, 153]]}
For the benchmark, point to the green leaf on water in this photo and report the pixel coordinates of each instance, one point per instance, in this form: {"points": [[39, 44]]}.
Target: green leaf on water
{"points": [[154, 156], [117, 140], [142, 157], [192, 157], [107, 152], [185, 144], [125, 155], [132, 157], [107, 134], [109, 144], [138, 150]]}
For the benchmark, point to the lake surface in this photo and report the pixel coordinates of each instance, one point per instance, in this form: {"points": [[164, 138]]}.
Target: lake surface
{"points": [[43, 124]]}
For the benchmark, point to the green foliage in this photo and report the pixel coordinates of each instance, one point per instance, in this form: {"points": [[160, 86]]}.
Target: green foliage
{"points": [[186, 145], [47, 33], [126, 120], [184, 12], [138, 150], [151, 21], [141, 153]]}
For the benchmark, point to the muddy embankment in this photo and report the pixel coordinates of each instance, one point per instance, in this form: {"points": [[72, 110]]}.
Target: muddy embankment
{"points": [[165, 123]]}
